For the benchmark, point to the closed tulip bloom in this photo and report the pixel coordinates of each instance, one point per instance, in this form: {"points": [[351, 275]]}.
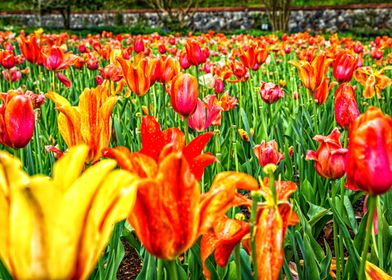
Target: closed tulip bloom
{"points": [[267, 152], [89, 122], [57, 228], [17, 120], [138, 44], [196, 55], [344, 66], [184, 94], [270, 93], [56, 59], [330, 157], [346, 108], [369, 158]]}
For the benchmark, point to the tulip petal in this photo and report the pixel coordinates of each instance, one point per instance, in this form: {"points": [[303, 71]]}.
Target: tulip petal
{"points": [[196, 146], [152, 137], [199, 163], [375, 273], [221, 196]]}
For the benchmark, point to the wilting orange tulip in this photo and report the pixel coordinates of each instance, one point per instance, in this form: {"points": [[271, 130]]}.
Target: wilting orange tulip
{"points": [[89, 122], [374, 81], [312, 74], [30, 49], [330, 157], [184, 94], [137, 74], [344, 66], [375, 273], [267, 152], [273, 218], [346, 108], [17, 120], [369, 157]]}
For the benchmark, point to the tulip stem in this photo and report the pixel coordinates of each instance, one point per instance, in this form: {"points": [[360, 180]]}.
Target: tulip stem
{"points": [[335, 237], [238, 261], [160, 269], [172, 269], [253, 216], [369, 228], [186, 130]]}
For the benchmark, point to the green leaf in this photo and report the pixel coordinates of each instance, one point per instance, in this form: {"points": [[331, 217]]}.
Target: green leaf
{"points": [[350, 214], [316, 213]]}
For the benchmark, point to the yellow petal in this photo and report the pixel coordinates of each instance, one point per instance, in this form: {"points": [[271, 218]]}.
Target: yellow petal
{"points": [[375, 273], [113, 203], [68, 168]]}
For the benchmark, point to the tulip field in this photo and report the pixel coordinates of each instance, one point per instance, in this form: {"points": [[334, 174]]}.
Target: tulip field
{"points": [[209, 156]]}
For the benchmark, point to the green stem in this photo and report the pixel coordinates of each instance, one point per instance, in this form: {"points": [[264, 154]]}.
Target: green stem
{"points": [[335, 238], [172, 272], [369, 227], [186, 130], [253, 216], [160, 269], [379, 236], [238, 261]]}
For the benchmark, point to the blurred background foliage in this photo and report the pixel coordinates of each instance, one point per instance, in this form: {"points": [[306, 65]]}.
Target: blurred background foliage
{"points": [[91, 5]]}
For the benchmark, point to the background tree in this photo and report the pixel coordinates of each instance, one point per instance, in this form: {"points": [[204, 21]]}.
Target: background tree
{"points": [[278, 12], [175, 14]]}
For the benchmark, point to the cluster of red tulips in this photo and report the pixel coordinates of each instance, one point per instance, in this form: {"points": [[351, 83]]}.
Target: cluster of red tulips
{"points": [[75, 108]]}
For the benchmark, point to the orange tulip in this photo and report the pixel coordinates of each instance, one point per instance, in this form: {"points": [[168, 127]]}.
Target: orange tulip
{"points": [[169, 204], [156, 144], [17, 120], [322, 92], [374, 81], [312, 74], [165, 69], [137, 74], [89, 122], [273, 219], [30, 49]]}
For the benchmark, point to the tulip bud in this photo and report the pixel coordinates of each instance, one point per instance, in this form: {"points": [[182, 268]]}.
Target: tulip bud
{"points": [[267, 152], [138, 44], [184, 94], [369, 154], [346, 108], [64, 80], [16, 121], [330, 156], [270, 93], [344, 67], [219, 85]]}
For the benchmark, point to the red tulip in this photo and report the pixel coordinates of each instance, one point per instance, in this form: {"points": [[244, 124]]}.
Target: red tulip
{"points": [[369, 158], [346, 108], [330, 156], [204, 115], [219, 85], [196, 55], [267, 152], [16, 120], [270, 93], [184, 94], [138, 44], [344, 66]]}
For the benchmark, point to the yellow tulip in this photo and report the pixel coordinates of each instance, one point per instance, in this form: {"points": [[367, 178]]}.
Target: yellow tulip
{"points": [[56, 228], [88, 123]]}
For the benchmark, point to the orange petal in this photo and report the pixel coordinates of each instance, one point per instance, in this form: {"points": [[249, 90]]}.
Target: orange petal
{"points": [[375, 273]]}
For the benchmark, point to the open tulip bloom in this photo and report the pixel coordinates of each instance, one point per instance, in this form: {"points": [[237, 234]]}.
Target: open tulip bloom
{"points": [[56, 228]]}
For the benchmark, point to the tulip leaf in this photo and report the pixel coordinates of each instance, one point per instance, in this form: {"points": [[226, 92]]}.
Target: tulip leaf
{"points": [[311, 266], [307, 191], [350, 214], [246, 271], [246, 125], [325, 264], [117, 130], [316, 213], [4, 274], [149, 267]]}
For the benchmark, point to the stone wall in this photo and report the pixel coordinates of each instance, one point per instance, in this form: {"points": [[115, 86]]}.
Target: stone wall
{"points": [[322, 19]]}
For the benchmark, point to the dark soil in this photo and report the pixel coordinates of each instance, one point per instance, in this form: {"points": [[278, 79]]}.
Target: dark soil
{"points": [[130, 265]]}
